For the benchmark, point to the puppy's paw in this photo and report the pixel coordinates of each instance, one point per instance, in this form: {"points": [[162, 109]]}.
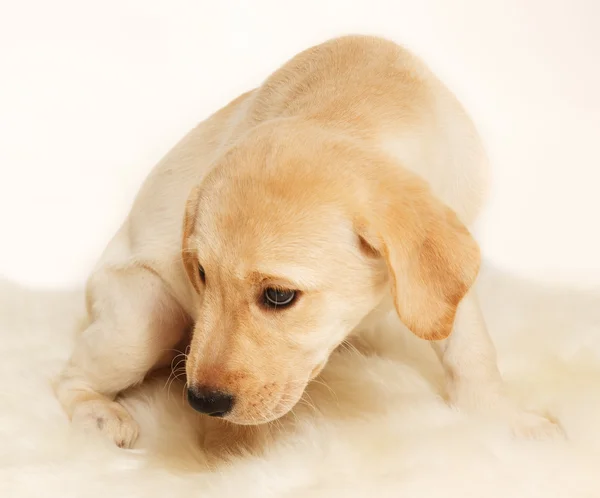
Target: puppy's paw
{"points": [[494, 404], [108, 417], [529, 425]]}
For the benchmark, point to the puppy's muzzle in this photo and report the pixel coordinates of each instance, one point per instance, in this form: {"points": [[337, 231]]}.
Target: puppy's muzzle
{"points": [[210, 402]]}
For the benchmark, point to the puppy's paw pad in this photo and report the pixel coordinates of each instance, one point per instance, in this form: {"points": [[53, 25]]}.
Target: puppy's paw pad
{"points": [[108, 417], [528, 425]]}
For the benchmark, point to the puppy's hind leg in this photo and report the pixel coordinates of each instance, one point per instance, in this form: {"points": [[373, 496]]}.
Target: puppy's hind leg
{"points": [[134, 321]]}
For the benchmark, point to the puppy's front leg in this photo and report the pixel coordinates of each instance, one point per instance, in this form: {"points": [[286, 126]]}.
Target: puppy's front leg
{"points": [[134, 321], [474, 381]]}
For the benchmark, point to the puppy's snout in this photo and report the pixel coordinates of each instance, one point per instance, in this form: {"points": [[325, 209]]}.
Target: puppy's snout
{"points": [[211, 402]]}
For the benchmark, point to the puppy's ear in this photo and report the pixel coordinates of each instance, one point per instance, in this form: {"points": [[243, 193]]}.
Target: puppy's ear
{"points": [[188, 254], [431, 257]]}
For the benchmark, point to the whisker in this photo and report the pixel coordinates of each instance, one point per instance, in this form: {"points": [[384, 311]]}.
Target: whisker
{"points": [[321, 382], [184, 391], [348, 346], [309, 401], [175, 376]]}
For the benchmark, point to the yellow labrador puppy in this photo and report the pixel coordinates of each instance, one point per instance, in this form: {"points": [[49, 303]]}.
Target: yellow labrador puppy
{"points": [[290, 219]]}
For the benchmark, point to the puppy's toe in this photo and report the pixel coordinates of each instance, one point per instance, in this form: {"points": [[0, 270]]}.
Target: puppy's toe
{"points": [[108, 417], [529, 425]]}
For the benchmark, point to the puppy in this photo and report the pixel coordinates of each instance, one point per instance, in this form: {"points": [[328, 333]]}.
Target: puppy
{"points": [[295, 216]]}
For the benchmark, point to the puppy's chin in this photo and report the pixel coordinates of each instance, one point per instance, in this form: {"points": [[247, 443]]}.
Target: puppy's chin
{"points": [[254, 414], [318, 369]]}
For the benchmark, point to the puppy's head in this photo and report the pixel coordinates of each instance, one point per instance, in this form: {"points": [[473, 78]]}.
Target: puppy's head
{"points": [[289, 242]]}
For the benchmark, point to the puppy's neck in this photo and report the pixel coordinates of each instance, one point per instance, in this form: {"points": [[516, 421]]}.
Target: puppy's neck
{"points": [[378, 314]]}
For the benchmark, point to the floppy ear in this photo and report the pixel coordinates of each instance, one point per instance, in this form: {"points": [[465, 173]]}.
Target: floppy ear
{"points": [[431, 257], [190, 261]]}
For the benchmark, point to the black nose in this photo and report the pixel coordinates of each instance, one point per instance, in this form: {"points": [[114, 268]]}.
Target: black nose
{"points": [[213, 403]]}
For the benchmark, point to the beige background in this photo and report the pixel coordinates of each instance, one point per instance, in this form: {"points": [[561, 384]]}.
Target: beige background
{"points": [[92, 94]]}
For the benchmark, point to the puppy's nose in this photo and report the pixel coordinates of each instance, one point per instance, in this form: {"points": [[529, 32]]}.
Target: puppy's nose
{"points": [[213, 403]]}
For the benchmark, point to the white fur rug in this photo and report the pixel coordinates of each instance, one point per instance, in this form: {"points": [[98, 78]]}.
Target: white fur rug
{"points": [[379, 426]]}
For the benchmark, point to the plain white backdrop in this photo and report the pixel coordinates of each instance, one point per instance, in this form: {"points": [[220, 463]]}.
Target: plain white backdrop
{"points": [[92, 94]]}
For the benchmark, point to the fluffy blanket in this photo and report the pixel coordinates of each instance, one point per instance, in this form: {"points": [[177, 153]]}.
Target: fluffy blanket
{"points": [[374, 424]]}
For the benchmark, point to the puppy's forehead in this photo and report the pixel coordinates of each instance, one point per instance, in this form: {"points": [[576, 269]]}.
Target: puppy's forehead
{"points": [[272, 235]]}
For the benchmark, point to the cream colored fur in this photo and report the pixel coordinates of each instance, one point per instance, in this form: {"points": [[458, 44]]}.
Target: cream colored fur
{"points": [[351, 172], [398, 438]]}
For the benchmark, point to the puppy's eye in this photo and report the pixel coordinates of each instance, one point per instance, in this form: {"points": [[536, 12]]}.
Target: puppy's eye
{"points": [[201, 273], [278, 298]]}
